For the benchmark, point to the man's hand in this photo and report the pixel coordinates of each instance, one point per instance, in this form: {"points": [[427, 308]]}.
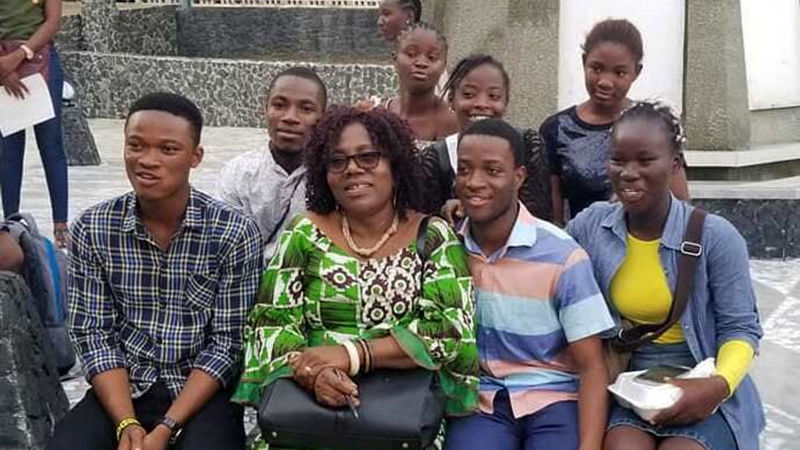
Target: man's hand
{"points": [[365, 105], [332, 387], [132, 438], [453, 211], [308, 364], [158, 439], [700, 398], [9, 63], [14, 86]]}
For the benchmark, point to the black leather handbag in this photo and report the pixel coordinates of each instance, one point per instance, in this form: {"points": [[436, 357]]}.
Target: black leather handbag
{"points": [[400, 409]]}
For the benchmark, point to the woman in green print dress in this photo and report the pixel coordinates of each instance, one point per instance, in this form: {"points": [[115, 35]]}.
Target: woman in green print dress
{"points": [[349, 269]]}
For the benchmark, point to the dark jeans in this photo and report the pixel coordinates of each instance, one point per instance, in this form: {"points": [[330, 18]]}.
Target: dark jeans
{"points": [[51, 149], [219, 424], [554, 427]]}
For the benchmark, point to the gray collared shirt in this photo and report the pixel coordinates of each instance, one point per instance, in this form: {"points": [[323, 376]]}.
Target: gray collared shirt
{"points": [[262, 189]]}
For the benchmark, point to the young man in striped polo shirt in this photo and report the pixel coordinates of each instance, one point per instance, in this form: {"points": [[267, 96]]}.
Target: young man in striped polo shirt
{"points": [[539, 311]]}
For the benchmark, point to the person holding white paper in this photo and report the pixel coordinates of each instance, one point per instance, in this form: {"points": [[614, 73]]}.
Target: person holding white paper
{"points": [[27, 28]]}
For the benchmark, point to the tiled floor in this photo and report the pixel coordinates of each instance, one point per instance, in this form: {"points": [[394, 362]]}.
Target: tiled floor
{"points": [[777, 283]]}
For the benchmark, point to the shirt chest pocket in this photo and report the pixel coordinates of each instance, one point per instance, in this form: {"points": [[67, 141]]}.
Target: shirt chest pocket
{"points": [[201, 291]]}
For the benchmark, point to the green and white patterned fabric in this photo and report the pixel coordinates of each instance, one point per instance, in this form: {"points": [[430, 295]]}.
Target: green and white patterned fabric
{"points": [[314, 293]]}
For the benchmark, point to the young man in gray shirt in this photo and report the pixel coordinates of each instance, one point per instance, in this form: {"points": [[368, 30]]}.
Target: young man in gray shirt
{"points": [[268, 184]]}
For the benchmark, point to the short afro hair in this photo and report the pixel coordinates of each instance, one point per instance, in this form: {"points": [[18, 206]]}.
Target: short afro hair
{"points": [[175, 104], [501, 129], [305, 73], [388, 133]]}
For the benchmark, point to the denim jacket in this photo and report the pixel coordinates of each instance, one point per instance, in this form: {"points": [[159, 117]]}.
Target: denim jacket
{"points": [[722, 305]]}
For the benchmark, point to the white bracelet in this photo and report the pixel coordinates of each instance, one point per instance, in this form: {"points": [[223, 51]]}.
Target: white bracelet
{"points": [[29, 54], [352, 353]]}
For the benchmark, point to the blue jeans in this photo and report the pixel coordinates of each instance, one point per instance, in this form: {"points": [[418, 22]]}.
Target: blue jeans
{"points": [[51, 149], [554, 427]]}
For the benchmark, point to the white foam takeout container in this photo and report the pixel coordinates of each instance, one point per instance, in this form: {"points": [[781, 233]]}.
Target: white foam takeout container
{"points": [[648, 399]]}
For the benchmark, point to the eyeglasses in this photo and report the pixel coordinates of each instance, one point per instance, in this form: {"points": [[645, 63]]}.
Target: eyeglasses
{"points": [[365, 160]]}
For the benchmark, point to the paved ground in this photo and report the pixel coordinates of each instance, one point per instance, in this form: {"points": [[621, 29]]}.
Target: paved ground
{"points": [[777, 282]]}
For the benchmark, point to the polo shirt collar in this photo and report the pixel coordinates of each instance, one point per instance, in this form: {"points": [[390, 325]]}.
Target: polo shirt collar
{"points": [[523, 234]]}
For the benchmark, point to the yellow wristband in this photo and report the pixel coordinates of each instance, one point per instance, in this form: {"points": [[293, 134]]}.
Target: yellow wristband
{"points": [[125, 423]]}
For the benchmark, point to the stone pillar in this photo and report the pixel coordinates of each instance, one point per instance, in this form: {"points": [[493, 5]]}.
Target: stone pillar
{"points": [[98, 19], [523, 34], [79, 143], [717, 113], [30, 392]]}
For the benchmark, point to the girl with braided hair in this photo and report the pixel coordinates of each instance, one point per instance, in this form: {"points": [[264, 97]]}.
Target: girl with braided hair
{"points": [[635, 246], [420, 58], [577, 138], [477, 89], [394, 16]]}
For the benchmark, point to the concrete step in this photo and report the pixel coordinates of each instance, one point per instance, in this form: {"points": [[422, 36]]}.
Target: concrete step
{"points": [[780, 189]]}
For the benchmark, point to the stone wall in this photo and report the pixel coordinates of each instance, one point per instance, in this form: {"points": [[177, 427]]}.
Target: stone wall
{"points": [[770, 227], [145, 31], [312, 34], [70, 35], [31, 397], [298, 34], [101, 27], [230, 93]]}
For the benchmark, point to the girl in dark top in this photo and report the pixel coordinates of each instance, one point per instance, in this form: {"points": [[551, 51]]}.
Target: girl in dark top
{"points": [[394, 16], [420, 57], [577, 139], [478, 89]]}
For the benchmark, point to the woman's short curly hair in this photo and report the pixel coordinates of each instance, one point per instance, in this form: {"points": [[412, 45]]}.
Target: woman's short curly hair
{"points": [[389, 134]]}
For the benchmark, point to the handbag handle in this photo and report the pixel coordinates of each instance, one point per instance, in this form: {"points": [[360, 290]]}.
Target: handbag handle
{"points": [[691, 249]]}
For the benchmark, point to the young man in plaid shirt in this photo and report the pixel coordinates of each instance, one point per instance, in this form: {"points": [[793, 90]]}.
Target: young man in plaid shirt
{"points": [[160, 283]]}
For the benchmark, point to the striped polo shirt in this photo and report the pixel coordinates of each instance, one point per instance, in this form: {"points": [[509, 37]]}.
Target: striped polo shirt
{"points": [[533, 296]]}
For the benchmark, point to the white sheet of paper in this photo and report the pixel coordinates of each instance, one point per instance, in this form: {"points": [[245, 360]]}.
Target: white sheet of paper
{"points": [[35, 108]]}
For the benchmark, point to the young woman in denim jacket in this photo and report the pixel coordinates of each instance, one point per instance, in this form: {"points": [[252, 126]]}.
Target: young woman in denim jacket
{"points": [[634, 245]]}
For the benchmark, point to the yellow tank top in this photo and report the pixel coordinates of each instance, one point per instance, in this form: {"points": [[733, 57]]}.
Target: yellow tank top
{"points": [[640, 292]]}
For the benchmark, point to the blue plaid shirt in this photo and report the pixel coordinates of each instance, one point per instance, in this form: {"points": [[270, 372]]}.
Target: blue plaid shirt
{"points": [[158, 313]]}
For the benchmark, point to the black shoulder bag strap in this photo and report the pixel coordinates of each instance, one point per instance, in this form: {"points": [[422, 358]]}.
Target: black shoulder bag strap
{"points": [[691, 249]]}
